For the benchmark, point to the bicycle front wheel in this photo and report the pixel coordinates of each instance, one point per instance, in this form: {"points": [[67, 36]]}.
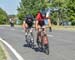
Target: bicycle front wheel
{"points": [[45, 44]]}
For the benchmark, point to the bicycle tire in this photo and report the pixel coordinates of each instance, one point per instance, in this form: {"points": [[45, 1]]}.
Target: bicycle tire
{"points": [[47, 49], [45, 44]]}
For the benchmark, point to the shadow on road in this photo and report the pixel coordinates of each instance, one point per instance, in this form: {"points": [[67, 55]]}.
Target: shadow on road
{"points": [[26, 45], [36, 49]]}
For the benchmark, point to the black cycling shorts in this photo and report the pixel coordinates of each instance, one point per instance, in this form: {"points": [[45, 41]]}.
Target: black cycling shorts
{"points": [[41, 23], [30, 25]]}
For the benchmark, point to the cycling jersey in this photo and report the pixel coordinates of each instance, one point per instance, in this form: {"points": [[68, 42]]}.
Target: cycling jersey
{"points": [[29, 20], [40, 19]]}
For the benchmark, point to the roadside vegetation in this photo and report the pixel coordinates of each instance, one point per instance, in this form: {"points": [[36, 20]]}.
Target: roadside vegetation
{"points": [[63, 11], [3, 16], [2, 55], [67, 28]]}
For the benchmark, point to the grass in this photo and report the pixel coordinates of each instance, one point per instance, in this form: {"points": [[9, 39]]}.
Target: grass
{"points": [[54, 27], [69, 28], [2, 55]]}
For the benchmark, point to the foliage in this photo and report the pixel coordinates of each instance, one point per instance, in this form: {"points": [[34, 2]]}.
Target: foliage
{"points": [[66, 9], [29, 6], [2, 54], [73, 22], [3, 16]]}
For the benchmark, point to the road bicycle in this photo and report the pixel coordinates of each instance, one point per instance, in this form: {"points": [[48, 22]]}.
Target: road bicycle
{"points": [[42, 41], [29, 38]]}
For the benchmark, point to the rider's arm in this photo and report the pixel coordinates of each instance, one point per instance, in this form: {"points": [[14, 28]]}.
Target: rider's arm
{"points": [[36, 24], [23, 25]]}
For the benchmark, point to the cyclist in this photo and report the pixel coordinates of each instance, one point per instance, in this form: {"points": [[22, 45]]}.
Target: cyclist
{"points": [[40, 24], [28, 23], [43, 18], [11, 22], [39, 20]]}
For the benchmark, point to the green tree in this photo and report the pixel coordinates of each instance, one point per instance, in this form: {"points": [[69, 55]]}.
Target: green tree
{"points": [[71, 9], [66, 9], [60, 13], [29, 6], [3, 16]]}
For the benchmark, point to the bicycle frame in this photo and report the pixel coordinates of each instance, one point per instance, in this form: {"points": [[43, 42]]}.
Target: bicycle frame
{"points": [[29, 38]]}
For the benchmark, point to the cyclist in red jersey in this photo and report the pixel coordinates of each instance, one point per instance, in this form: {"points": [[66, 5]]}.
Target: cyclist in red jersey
{"points": [[39, 20]]}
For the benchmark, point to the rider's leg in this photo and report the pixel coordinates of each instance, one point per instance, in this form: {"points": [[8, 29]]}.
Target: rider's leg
{"points": [[49, 24], [44, 29], [26, 26], [39, 30], [31, 31], [38, 34], [45, 38]]}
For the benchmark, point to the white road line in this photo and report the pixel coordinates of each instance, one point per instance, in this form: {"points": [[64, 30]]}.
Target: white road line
{"points": [[19, 57], [50, 35]]}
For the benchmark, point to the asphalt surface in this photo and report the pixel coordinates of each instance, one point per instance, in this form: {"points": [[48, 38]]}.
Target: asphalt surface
{"points": [[61, 44]]}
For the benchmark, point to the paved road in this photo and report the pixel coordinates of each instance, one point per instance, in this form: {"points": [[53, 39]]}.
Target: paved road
{"points": [[61, 44]]}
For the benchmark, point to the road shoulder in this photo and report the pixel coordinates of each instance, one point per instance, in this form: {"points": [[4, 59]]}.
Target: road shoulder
{"points": [[5, 51]]}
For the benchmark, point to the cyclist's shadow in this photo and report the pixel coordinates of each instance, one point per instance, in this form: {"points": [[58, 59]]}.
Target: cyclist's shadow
{"points": [[38, 50], [29, 46], [35, 48], [26, 45]]}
